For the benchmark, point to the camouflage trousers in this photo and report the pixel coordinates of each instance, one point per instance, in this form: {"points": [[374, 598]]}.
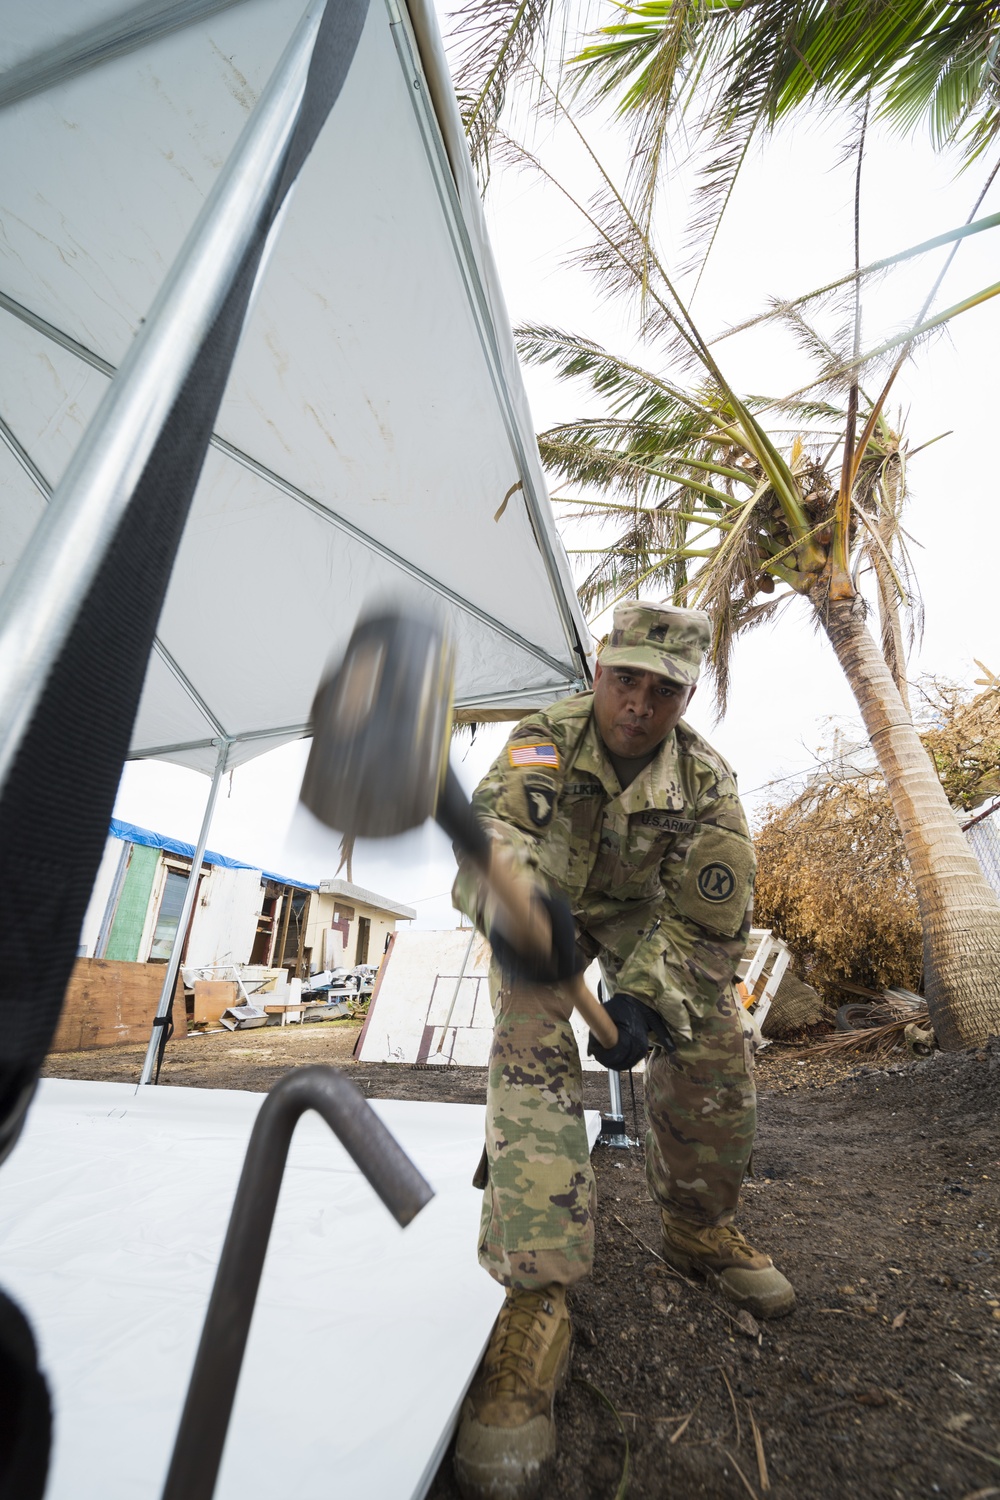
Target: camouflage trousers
{"points": [[539, 1197]]}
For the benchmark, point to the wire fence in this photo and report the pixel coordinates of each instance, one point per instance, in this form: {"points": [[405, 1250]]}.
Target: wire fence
{"points": [[984, 836]]}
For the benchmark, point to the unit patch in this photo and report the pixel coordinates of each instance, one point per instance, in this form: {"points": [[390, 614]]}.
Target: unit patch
{"points": [[533, 755], [716, 882], [540, 797]]}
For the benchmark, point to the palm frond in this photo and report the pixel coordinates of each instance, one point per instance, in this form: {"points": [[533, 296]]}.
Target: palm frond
{"points": [[910, 338], [731, 69], [781, 308], [625, 385], [491, 42]]}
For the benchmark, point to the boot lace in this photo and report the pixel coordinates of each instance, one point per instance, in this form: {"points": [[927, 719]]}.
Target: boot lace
{"points": [[729, 1239], [517, 1345]]}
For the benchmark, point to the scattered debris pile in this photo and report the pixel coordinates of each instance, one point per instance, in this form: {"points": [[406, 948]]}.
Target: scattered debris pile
{"points": [[242, 997], [881, 1024]]}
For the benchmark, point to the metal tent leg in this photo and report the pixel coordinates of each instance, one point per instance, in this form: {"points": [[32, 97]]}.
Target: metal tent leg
{"points": [[174, 962], [613, 1132]]}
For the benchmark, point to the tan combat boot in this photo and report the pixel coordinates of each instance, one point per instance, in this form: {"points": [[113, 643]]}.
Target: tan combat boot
{"points": [[720, 1253], [507, 1431]]}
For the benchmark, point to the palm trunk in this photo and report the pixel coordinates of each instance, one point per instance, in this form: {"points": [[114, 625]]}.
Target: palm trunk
{"points": [[888, 594], [959, 913]]}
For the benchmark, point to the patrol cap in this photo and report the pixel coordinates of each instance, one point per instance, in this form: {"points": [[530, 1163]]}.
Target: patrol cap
{"points": [[658, 638]]}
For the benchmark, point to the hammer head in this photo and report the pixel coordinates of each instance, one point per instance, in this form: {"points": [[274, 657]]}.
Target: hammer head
{"points": [[381, 728]]}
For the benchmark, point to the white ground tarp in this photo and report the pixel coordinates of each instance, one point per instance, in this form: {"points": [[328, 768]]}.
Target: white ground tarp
{"points": [[365, 1336], [375, 419], [426, 975]]}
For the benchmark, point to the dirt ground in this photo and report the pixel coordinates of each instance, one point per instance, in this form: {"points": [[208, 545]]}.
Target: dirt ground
{"points": [[875, 1188]]}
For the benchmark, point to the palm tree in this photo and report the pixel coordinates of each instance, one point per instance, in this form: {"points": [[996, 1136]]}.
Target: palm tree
{"points": [[739, 68], [721, 500], [717, 512], [713, 503]]}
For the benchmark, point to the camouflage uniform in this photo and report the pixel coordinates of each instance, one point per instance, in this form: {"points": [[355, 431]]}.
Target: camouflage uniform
{"points": [[659, 878]]}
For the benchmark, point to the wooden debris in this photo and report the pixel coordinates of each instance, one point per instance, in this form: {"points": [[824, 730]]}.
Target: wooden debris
{"points": [[758, 1443], [745, 1481], [669, 1271], [732, 1400], [990, 1458], [675, 1436]]}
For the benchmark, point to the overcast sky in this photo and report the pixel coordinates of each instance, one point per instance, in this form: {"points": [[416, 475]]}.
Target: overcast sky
{"points": [[789, 229]]}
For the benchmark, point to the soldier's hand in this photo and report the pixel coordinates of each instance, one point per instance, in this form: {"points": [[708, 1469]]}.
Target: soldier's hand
{"points": [[565, 959], [635, 1020]]}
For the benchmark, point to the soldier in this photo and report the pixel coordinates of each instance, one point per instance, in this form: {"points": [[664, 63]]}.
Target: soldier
{"points": [[630, 825]]}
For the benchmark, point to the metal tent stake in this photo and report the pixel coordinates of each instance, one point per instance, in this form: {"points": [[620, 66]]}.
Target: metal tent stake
{"points": [[204, 1422]]}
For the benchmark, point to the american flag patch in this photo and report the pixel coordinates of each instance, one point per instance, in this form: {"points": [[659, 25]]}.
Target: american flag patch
{"points": [[534, 755]]}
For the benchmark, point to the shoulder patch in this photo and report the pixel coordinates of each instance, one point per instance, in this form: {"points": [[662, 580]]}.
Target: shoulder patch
{"points": [[534, 755], [717, 880], [540, 796]]}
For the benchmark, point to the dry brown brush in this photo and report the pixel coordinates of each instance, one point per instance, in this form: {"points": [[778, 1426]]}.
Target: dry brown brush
{"points": [[963, 740], [833, 879]]}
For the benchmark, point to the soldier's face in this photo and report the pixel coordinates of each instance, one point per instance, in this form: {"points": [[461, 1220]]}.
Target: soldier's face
{"points": [[635, 711]]}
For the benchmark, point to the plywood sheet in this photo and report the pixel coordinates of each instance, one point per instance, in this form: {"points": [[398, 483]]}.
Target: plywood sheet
{"points": [[110, 1002], [112, 1213], [211, 998]]}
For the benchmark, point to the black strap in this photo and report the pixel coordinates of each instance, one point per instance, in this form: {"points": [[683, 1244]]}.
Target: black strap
{"points": [[25, 1409], [57, 802]]}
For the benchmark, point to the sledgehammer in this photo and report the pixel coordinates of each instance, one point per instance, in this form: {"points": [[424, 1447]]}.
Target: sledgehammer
{"points": [[379, 766]]}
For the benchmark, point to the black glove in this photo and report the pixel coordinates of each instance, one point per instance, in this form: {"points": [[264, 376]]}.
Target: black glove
{"points": [[635, 1020], [565, 960]]}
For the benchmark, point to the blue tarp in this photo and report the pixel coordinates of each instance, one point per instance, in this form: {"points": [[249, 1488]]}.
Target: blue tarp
{"points": [[132, 834]]}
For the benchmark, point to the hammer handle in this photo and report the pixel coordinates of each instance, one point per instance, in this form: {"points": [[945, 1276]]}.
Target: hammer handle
{"points": [[527, 917]]}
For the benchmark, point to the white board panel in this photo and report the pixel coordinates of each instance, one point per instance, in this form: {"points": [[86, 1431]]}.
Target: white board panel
{"points": [[416, 985], [113, 1208]]}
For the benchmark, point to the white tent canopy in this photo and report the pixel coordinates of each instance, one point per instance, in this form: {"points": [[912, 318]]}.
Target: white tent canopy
{"points": [[374, 421]]}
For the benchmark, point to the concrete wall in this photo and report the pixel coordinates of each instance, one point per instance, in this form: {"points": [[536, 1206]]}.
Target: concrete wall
{"points": [[331, 947]]}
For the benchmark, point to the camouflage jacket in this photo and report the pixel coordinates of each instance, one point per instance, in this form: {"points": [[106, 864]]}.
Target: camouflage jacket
{"points": [[659, 876]]}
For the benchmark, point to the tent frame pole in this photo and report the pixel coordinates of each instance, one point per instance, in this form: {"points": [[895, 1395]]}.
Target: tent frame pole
{"points": [[69, 543], [183, 921], [87, 49]]}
